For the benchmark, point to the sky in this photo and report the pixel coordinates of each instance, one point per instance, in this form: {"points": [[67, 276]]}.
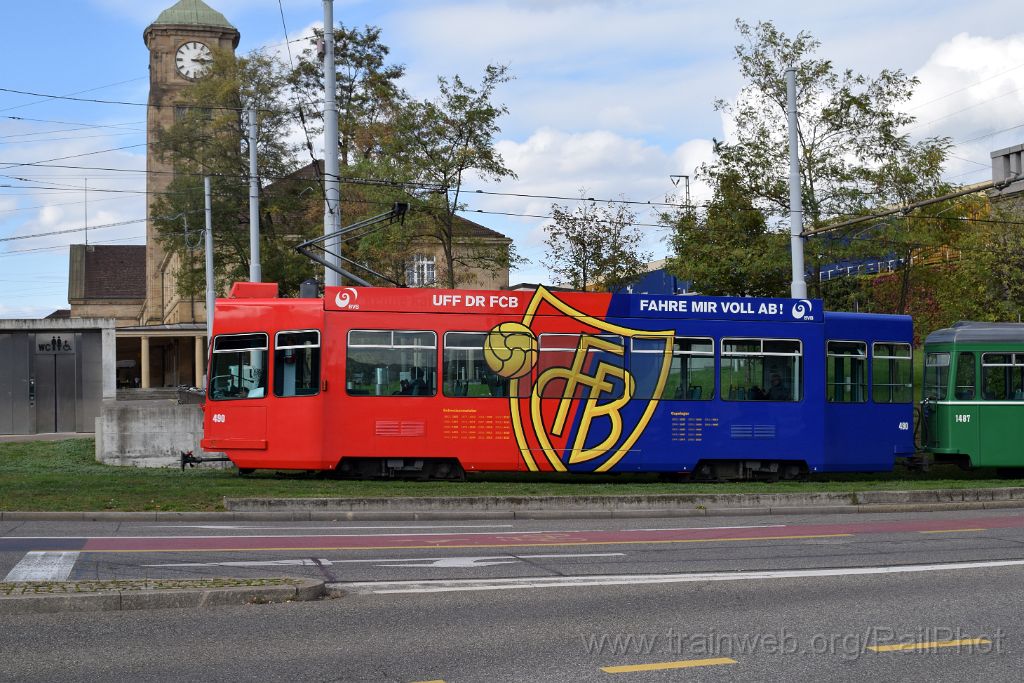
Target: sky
{"points": [[611, 98]]}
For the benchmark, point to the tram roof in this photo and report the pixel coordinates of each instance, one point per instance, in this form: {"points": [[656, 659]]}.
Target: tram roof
{"points": [[971, 331]]}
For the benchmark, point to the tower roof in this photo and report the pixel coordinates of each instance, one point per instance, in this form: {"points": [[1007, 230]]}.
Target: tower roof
{"points": [[194, 12]]}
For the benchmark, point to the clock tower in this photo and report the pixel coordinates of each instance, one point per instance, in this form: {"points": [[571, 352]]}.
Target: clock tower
{"points": [[179, 41]]}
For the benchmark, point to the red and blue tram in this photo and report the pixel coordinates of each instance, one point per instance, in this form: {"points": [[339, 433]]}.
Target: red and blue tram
{"points": [[436, 383]]}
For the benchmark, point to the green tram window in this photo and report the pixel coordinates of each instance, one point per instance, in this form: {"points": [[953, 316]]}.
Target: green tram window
{"points": [[936, 376], [391, 363], [761, 369], [892, 373], [966, 380], [691, 374], [1002, 376], [846, 373], [466, 373], [238, 367], [297, 363]]}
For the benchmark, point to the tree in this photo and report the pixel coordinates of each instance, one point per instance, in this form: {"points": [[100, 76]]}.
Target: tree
{"points": [[368, 94], [594, 247], [209, 137], [853, 156], [438, 144], [729, 250]]}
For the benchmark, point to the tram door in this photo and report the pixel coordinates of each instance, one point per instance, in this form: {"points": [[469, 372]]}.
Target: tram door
{"points": [[53, 384]]}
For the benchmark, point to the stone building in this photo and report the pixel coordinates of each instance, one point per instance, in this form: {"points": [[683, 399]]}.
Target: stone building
{"points": [[161, 336]]}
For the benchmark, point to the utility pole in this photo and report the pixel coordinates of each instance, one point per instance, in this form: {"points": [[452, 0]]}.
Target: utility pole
{"points": [[255, 275], [86, 212], [798, 288], [332, 177], [210, 284]]}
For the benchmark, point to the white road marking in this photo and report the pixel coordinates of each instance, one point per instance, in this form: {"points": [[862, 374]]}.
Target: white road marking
{"points": [[427, 561], [454, 585], [232, 527], [43, 566]]}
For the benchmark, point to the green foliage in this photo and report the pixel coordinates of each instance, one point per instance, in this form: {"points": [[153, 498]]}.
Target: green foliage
{"points": [[594, 247], [438, 144], [854, 159], [728, 250], [368, 94]]}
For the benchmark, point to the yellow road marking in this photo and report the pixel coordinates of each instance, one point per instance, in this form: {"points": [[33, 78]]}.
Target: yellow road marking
{"points": [[441, 546], [951, 531], [661, 666], [928, 646]]}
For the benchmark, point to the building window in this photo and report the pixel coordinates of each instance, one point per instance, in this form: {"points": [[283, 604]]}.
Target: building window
{"points": [[421, 272], [391, 363]]}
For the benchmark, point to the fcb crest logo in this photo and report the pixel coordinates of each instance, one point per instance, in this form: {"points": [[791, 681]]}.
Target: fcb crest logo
{"points": [[576, 404]]}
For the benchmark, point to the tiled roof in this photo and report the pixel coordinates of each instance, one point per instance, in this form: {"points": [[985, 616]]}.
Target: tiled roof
{"points": [[114, 271], [463, 226]]}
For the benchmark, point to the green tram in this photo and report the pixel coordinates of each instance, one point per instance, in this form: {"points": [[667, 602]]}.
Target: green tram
{"points": [[972, 408]]}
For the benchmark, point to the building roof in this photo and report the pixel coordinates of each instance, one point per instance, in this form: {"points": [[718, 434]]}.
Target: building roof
{"points": [[194, 13], [107, 272], [463, 227]]}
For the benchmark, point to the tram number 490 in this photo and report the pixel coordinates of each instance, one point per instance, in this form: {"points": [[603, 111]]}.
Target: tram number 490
{"points": [[219, 417], [962, 418]]}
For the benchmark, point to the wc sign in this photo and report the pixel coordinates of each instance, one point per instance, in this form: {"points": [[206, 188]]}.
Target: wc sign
{"points": [[55, 343]]}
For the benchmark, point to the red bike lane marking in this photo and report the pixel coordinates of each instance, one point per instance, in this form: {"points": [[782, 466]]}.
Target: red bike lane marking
{"points": [[514, 539]]}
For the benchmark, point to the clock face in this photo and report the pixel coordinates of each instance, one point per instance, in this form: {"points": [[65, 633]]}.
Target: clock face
{"points": [[193, 59]]}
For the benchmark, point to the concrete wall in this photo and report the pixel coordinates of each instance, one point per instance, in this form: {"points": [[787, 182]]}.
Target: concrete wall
{"points": [[149, 433]]}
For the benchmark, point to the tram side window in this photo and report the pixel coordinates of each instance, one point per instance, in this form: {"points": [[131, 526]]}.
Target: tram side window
{"points": [[585, 366], [297, 363], [761, 369], [892, 373], [936, 376], [238, 367], [466, 373], [1002, 376], [691, 372], [965, 376], [391, 363], [846, 376]]}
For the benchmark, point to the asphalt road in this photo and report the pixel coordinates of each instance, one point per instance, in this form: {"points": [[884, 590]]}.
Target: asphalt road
{"points": [[545, 600]]}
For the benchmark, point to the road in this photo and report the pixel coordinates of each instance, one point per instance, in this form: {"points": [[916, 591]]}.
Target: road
{"points": [[845, 597]]}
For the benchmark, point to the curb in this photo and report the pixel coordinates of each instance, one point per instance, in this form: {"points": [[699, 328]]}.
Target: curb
{"points": [[121, 600], [608, 512]]}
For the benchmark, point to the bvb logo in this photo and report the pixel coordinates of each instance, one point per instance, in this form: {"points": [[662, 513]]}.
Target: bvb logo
{"points": [[510, 350]]}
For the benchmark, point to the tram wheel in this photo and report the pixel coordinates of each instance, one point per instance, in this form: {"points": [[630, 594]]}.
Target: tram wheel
{"points": [[245, 471]]}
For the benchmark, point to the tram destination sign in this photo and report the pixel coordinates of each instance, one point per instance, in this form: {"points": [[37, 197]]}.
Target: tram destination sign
{"points": [[727, 308]]}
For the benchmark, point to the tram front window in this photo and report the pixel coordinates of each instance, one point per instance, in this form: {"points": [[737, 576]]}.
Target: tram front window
{"points": [[238, 367]]}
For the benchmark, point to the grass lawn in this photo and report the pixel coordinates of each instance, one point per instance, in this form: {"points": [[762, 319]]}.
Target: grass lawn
{"points": [[64, 475]]}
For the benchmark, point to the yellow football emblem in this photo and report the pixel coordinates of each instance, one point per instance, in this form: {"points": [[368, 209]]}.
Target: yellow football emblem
{"points": [[510, 349]]}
